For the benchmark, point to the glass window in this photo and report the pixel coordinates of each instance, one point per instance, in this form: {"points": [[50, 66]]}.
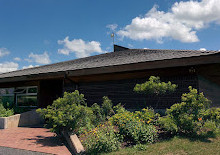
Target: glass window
{"points": [[32, 90], [20, 90], [26, 96], [7, 96], [6, 91], [27, 100]]}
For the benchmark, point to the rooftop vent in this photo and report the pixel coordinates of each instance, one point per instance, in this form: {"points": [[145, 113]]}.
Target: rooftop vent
{"points": [[119, 48]]}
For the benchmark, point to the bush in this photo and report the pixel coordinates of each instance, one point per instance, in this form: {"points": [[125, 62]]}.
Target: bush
{"points": [[187, 114], [133, 129], [69, 113], [155, 86], [105, 111], [209, 128], [212, 114], [5, 112], [167, 124], [148, 115], [101, 139]]}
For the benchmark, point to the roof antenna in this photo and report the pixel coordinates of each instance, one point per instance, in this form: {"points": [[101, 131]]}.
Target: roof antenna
{"points": [[113, 38]]}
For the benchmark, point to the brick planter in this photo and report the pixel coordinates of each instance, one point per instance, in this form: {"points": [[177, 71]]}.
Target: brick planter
{"points": [[25, 119]]}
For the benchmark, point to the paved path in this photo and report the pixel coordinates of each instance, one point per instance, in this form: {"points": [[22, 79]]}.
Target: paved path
{"points": [[12, 151], [33, 139]]}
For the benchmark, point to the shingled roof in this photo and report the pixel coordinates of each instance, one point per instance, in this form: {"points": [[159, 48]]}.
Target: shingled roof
{"points": [[129, 56]]}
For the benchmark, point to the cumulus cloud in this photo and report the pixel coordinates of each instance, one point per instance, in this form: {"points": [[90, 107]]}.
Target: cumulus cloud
{"points": [[181, 22], [39, 58], [202, 49], [30, 66], [4, 52], [79, 47], [112, 27], [8, 67], [17, 59]]}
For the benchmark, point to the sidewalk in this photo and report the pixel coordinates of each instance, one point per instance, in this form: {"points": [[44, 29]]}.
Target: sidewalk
{"points": [[33, 139]]}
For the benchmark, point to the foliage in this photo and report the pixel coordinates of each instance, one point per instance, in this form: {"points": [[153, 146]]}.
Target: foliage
{"points": [[140, 147], [103, 138], [107, 105], [148, 115], [187, 114], [133, 128], [5, 112], [155, 86], [209, 128], [69, 113], [212, 114], [167, 124], [105, 111]]}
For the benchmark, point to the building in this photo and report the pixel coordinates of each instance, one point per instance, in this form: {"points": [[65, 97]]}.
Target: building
{"points": [[114, 75]]}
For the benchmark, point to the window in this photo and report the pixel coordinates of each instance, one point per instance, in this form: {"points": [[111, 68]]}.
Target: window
{"points": [[26, 96], [7, 96]]}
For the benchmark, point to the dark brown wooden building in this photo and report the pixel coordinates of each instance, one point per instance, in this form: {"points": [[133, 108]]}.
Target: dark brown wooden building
{"points": [[115, 75]]}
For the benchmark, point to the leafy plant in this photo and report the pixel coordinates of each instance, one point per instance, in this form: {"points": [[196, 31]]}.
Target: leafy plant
{"points": [[155, 86], [5, 112], [103, 138], [167, 124], [69, 113], [133, 129], [105, 111], [212, 114], [148, 115], [189, 112]]}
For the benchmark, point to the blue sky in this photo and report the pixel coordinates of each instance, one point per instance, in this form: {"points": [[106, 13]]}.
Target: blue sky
{"points": [[39, 32]]}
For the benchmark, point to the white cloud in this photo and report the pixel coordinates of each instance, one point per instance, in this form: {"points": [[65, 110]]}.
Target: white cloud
{"points": [[30, 66], [17, 59], [4, 52], [79, 47], [202, 49], [112, 27], [39, 58], [8, 67], [180, 23]]}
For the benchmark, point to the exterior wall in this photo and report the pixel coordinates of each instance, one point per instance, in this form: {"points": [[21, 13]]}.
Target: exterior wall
{"points": [[209, 82], [49, 90], [119, 87], [121, 91]]}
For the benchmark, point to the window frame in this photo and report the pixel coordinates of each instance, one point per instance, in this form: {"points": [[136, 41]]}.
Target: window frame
{"points": [[26, 94]]}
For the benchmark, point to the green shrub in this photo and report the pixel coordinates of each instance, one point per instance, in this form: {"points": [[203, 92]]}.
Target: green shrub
{"points": [[133, 129], [69, 113], [209, 128], [148, 115], [189, 112], [107, 107], [101, 139], [212, 114], [105, 111], [5, 112], [167, 124], [155, 86]]}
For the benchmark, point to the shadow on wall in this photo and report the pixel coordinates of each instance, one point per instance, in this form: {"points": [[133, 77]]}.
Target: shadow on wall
{"points": [[211, 90]]}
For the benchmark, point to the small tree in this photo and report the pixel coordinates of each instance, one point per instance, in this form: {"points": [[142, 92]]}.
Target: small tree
{"points": [[155, 86]]}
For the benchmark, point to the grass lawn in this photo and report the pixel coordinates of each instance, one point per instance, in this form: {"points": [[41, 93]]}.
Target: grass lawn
{"points": [[178, 145]]}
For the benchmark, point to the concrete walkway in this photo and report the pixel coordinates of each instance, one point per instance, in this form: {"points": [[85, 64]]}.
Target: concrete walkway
{"points": [[36, 139], [12, 151]]}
